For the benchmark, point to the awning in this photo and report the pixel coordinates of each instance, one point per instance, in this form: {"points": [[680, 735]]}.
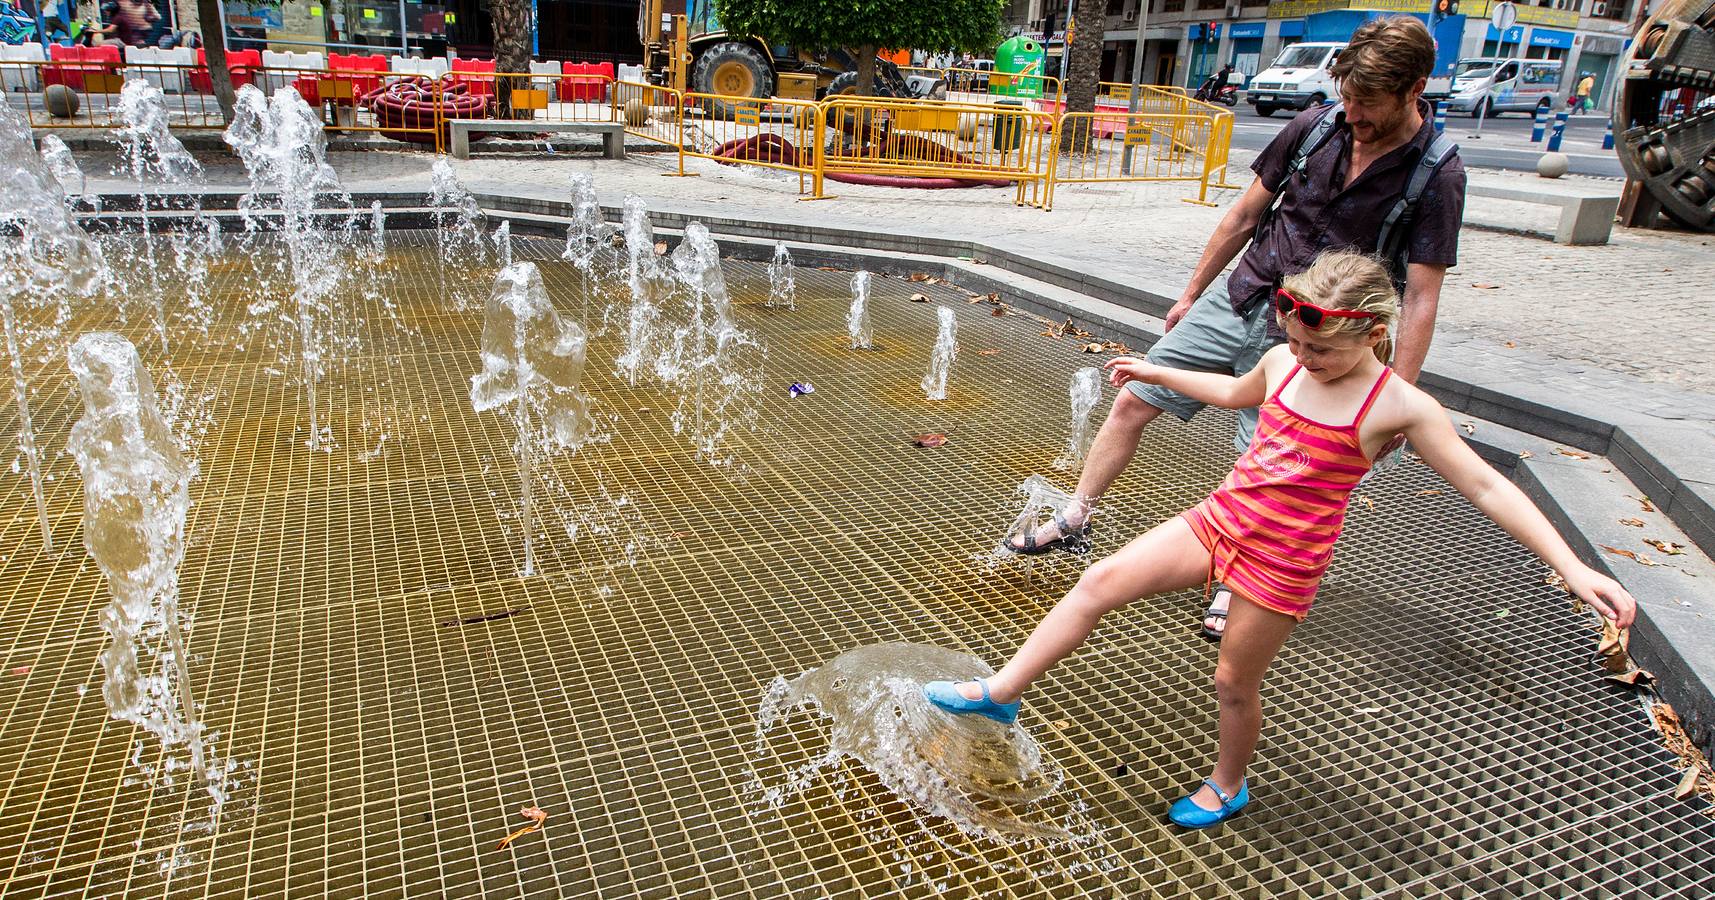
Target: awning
{"points": [[1291, 28], [1549, 37]]}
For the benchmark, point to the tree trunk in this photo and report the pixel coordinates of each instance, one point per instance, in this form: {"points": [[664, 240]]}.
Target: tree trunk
{"points": [[1084, 60], [512, 33], [866, 70], [214, 51]]}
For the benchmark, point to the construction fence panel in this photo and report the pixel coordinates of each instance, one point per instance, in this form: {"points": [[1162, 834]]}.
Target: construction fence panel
{"points": [[85, 93], [774, 134], [1115, 146], [649, 111], [965, 142], [547, 96], [979, 86]]}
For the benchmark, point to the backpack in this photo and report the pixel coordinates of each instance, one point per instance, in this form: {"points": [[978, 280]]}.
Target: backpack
{"points": [[1390, 241]]}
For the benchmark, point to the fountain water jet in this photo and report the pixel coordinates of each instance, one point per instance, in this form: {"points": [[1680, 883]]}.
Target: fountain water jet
{"points": [[51, 257], [503, 243], [782, 282], [283, 149], [136, 495], [707, 350], [533, 359], [857, 318], [446, 195], [642, 278], [1086, 392], [149, 152], [941, 361], [66, 171], [377, 231]]}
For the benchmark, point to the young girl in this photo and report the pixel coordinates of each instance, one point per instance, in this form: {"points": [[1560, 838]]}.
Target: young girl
{"points": [[1329, 404]]}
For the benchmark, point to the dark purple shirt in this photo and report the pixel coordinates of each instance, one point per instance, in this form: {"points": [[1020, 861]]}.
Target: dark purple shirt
{"points": [[1319, 211]]}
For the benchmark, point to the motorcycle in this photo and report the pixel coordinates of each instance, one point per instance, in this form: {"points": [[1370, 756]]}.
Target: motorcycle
{"points": [[1226, 94]]}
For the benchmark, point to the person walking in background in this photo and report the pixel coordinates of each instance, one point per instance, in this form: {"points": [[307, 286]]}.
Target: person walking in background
{"points": [[1585, 86]]}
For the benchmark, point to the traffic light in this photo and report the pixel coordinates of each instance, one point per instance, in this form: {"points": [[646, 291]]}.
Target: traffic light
{"points": [[1446, 8]]}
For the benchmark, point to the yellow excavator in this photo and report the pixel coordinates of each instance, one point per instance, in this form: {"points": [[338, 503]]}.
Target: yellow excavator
{"points": [[685, 48]]}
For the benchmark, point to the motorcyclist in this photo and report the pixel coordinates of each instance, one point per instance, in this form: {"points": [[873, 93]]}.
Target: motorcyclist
{"points": [[1214, 83]]}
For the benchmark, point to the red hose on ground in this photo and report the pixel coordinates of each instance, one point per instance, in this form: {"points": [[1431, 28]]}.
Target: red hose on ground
{"points": [[412, 103]]}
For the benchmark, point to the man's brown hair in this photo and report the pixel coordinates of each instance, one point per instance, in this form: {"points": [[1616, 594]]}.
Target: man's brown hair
{"points": [[1386, 57]]}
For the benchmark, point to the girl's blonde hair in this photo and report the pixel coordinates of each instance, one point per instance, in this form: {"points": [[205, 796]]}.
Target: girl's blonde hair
{"points": [[1345, 279]]}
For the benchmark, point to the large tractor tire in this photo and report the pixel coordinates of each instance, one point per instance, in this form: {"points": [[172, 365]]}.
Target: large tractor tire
{"points": [[732, 69]]}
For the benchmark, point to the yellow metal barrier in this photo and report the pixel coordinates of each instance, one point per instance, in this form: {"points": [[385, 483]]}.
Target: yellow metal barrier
{"points": [[923, 139], [649, 111], [1162, 147], [547, 97], [773, 134], [978, 86]]}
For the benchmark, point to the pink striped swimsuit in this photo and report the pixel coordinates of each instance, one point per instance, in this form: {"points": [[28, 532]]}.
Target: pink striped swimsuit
{"points": [[1270, 527]]}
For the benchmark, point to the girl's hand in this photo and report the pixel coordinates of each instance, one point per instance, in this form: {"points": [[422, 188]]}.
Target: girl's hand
{"points": [[1603, 593], [1122, 369]]}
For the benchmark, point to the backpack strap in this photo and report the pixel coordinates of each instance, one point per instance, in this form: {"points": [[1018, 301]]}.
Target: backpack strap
{"points": [[1318, 135], [1390, 240]]}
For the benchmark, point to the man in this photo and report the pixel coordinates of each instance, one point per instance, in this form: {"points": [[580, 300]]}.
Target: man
{"points": [[1339, 198], [1211, 87], [1585, 86]]}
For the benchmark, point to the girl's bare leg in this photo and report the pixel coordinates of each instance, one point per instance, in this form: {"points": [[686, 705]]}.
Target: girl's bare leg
{"points": [[1254, 636], [1165, 558]]}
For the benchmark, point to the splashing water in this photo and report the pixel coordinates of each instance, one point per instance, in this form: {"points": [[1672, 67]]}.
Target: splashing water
{"points": [[1086, 392], [941, 360], [135, 497], [50, 258], [284, 149], [709, 352], [782, 280], [464, 241], [643, 277], [66, 171], [151, 154], [503, 244], [857, 318], [377, 231], [989, 780], [533, 359], [1041, 496]]}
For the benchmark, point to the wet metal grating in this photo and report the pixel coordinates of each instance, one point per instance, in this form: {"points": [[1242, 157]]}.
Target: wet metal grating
{"points": [[1436, 729]]}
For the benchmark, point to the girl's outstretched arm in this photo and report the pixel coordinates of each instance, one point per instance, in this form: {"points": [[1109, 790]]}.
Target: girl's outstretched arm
{"points": [[1242, 392], [1431, 434]]}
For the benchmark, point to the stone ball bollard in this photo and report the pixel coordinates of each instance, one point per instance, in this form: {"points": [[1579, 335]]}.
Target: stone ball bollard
{"points": [[967, 130], [636, 112], [1552, 165], [62, 102]]}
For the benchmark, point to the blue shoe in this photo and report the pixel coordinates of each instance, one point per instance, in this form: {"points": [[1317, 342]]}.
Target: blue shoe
{"points": [[1187, 814], [945, 694]]}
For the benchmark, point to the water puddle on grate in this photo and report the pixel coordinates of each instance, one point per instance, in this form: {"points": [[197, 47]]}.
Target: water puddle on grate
{"points": [[990, 781]]}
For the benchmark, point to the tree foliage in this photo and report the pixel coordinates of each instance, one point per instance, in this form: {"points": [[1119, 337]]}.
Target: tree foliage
{"points": [[819, 26]]}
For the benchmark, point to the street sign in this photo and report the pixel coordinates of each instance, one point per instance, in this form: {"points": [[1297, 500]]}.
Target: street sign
{"points": [[1503, 16]]}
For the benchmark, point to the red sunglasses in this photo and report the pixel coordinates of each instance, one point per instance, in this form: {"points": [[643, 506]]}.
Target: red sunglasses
{"points": [[1309, 313]]}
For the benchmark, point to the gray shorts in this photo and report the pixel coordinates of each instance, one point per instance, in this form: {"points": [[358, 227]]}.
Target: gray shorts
{"points": [[1210, 339]]}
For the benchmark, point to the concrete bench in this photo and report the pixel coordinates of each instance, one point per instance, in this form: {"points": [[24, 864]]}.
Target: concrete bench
{"points": [[612, 133], [1586, 213]]}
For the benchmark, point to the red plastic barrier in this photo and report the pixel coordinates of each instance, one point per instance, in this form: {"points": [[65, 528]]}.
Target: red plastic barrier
{"points": [[482, 87], [578, 85], [344, 65], [411, 103], [95, 61], [241, 63]]}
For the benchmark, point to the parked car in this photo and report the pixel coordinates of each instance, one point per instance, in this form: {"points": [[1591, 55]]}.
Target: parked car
{"points": [[1484, 86], [1297, 79]]}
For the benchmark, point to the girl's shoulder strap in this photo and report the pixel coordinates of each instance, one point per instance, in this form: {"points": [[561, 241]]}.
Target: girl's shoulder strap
{"points": [[1375, 391], [1284, 382]]}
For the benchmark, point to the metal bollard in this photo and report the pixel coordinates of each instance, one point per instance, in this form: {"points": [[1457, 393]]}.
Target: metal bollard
{"points": [[1559, 131], [1541, 125], [1440, 116], [1608, 136]]}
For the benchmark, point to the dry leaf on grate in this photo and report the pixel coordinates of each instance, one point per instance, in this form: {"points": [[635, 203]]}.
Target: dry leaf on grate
{"points": [[919, 276], [930, 440], [987, 352], [536, 815], [1635, 677], [1697, 771], [1611, 650], [919, 298]]}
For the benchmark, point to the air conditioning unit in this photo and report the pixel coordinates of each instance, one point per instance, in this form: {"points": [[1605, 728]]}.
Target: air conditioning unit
{"points": [[1131, 14], [1600, 9], [1233, 11]]}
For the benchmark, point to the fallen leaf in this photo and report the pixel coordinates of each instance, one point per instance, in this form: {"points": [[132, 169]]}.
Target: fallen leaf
{"points": [[1368, 503], [994, 297], [1575, 454], [536, 816], [1485, 286], [660, 248], [1470, 427], [1635, 557], [919, 276], [1687, 784], [1553, 579], [1635, 678], [1093, 347], [929, 440], [1634, 521], [1611, 650], [21, 670], [644, 409], [1061, 724], [1428, 493], [987, 352], [1644, 502], [998, 312], [1511, 345], [919, 298], [1525, 454], [1667, 547]]}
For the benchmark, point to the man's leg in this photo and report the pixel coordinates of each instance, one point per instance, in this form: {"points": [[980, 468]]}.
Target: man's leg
{"points": [[1210, 338]]}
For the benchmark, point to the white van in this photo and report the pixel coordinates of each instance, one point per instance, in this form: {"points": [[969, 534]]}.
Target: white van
{"points": [[1298, 78], [1493, 85]]}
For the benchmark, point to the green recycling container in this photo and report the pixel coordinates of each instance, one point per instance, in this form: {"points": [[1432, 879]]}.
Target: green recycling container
{"points": [[1008, 126], [1018, 56]]}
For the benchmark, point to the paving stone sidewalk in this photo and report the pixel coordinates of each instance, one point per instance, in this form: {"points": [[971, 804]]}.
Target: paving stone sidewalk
{"points": [[1638, 306]]}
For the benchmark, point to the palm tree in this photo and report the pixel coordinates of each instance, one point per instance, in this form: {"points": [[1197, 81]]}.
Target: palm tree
{"points": [[512, 31], [214, 51], [1084, 60]]}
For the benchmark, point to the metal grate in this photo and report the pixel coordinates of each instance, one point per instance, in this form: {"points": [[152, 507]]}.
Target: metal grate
{"points": [[1436, 728]]}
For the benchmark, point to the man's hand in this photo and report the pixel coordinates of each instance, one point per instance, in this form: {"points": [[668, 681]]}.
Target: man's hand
{"points": [[1178, 311]]}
